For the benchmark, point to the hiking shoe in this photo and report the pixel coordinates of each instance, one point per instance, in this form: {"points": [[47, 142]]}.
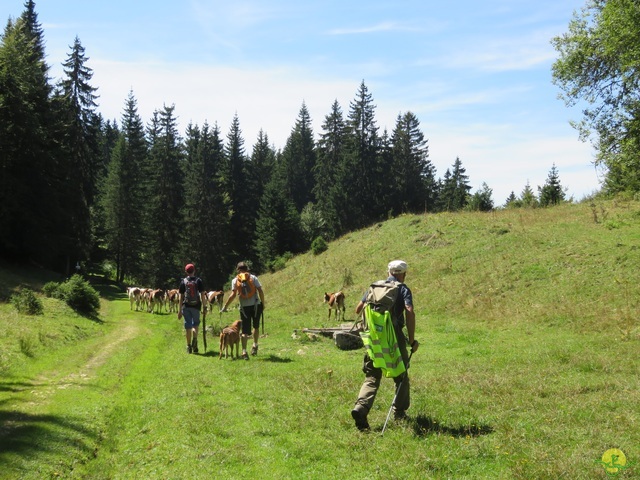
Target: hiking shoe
{"points": [[399, 415], [188, 348], [245, 356], [194, 346], [254, 350], [361, 419]]}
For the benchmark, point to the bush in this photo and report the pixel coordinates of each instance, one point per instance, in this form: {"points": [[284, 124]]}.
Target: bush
{"points": [[51, 289], [26, 302], [79, 295], [318, 246], [280, 262]]}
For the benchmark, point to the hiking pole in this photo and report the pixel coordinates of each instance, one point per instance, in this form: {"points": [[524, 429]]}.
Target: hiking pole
{"points": [[204, 327], [406, 375]]}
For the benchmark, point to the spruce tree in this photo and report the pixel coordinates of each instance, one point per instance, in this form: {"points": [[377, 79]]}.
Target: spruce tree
{"points": [[412, 173], [123, 201], [166, 227], [528, 198], [235, 181], [482, 200], [551, 193], [83, 127], [278, 225], [454, 195], [30, 183], [299, 160], [79, 131], [205, 209], [363, 175], [330, 168], [512, 201], [261, 164]]}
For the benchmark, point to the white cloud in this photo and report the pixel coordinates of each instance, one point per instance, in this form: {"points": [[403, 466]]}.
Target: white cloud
{"points": [[268, 99]]}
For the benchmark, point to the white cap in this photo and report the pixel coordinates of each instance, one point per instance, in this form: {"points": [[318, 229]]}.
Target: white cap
{"points": [[397, 266]]}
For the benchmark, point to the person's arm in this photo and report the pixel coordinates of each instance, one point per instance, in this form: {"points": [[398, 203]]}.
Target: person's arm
{"points": [[261, 295], [410, 321], [229, 300], [359, 307], [180, 302]]}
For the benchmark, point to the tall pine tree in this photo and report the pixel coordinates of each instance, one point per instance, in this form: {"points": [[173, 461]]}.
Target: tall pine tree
{"points": [[122, 201], [551, 193], [205, 211], [362, 173], [330, 197], [75, 107], [235, 181], [30, 182], [299, 160], [278, 223], [412, 173], [164, 206], [454, 193]]}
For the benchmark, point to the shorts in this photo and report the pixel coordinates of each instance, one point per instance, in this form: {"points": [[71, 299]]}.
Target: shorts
{"points": [[250, 317], [191, 317]]}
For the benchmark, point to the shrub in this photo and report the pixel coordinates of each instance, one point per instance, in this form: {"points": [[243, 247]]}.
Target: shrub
{"points": [[279, 263], [80, 296], [26, 302], [51, 289], [318, 246]]}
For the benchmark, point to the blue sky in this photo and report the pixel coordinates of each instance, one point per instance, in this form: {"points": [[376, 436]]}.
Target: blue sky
{"points": [[476, 74]]}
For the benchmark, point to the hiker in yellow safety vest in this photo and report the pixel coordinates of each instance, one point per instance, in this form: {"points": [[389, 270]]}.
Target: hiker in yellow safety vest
{"points": [[402, 314]]}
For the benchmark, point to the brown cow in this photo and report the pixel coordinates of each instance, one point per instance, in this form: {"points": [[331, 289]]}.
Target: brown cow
{"points": [[336, 302], [215, 296], [173, 298], [134, 297], [156, 299]]}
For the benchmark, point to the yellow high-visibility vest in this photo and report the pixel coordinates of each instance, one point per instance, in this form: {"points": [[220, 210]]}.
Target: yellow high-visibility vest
{"points": [[381, 343]]}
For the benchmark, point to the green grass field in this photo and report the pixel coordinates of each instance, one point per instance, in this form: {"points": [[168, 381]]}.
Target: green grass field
{"points": [[528, 366]]}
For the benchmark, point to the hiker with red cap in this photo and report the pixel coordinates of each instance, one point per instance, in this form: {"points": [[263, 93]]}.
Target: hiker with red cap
{"points": [[191, 293]]}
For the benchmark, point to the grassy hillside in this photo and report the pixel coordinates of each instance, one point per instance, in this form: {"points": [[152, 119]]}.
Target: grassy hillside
{"points": [[528, 365]]}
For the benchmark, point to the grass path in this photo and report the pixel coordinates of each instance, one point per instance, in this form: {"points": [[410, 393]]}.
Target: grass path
{"points": [[55, 412]]}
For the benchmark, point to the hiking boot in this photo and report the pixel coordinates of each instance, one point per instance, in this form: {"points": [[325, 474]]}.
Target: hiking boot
{"points": [[361, 419], [194, 346], [254, 350], [399, 415], [188, 348], [245, 356]]}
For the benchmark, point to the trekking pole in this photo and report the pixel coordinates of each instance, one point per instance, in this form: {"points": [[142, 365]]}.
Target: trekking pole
{"points": [[406, 374], [204, 327]]}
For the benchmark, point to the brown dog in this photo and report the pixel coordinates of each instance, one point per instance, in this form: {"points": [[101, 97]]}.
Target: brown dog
{"points": [[229, 337]]}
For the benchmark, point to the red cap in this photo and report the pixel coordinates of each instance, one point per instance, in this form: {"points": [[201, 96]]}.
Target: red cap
{"points": [[190, 268]]}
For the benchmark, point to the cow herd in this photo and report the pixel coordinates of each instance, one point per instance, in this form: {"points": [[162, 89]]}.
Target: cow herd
{"points": [[159, 300]]}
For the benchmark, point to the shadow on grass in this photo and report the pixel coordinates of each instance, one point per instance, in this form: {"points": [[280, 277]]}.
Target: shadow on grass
{"points": [[208, 353], [26, 435], [276, 359], [423, 426]]}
